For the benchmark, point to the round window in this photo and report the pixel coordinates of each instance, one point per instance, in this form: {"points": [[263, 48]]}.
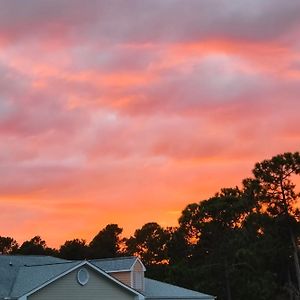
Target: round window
{"points": [[83, 276]]}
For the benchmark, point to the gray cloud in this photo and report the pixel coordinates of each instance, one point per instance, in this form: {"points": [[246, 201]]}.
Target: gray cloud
{"points": [[144, 21]]}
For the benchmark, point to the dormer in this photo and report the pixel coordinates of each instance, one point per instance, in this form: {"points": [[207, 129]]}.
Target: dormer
{"points": [[129, 270], [134, 276]]}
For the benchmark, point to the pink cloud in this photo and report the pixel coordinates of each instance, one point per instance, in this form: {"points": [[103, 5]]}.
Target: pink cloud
{"points": [[111, 107]]}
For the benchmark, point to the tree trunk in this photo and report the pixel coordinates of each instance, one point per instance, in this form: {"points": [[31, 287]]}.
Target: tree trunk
{"points": [[290, 285], [292, 236], [296, 258], [227, 281]]}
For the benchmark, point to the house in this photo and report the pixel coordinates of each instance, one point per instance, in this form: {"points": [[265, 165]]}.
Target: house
{"points": [[45, 278]]}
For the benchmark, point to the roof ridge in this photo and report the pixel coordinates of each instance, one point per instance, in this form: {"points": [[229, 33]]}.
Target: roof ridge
{"points": [[51, 264], [28, 255], [113, 258]]}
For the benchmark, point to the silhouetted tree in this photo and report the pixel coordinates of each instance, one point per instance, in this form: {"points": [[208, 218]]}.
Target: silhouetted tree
{"points": [[227, 235], [107, 243], [36, 246], [74, 249], [279, 194], [8, 245], [177, 246], [150, 244]]}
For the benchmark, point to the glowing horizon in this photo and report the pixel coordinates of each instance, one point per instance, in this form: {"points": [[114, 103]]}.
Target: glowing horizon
{"points": [[126, 111]]}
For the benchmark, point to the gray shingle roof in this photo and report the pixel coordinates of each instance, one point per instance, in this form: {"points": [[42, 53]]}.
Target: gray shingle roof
{"points": [[11, 264], [114, 264], [22, 274], [159, 290], [30, 278]]}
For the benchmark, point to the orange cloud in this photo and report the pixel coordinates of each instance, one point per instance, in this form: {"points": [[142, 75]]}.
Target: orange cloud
{"points": [[108, 117]]}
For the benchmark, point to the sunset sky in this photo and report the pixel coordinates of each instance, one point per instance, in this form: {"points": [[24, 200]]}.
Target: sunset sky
{"points": [[125, 111]]}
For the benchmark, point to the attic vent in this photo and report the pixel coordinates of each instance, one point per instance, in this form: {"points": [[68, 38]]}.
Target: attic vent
{"points": [[83, 276]]}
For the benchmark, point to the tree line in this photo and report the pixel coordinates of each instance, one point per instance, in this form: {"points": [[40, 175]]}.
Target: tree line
{"points": [[242, 243]]}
